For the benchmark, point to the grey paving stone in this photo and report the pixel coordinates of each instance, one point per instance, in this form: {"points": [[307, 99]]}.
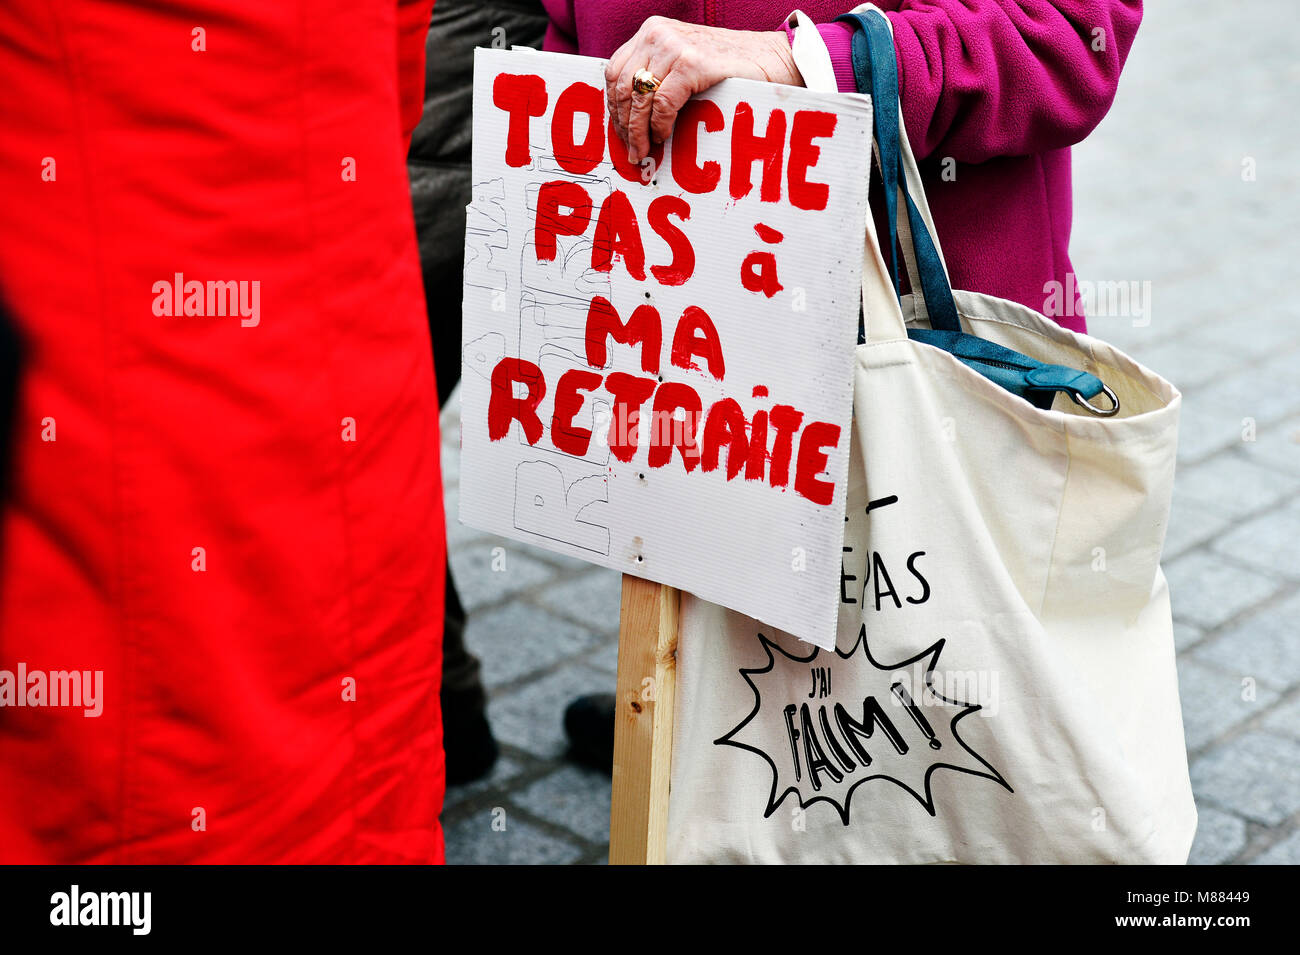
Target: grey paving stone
{"points": [[1207, 426], [1185, 635], [1269, 543], [574, 797], [1207, 591], [532, 716], [606, 658], [594, 597], [1264, 645], [449, 448], [1136, 340], [1256, 775], [449, 456], [1175, 310], [1187, 362], [1276, 447], [502, 773], [1190, 525], [473, 841], [1281, 366], [518, 638], [1266, 394], [1232, 487], [1219, 837], [489, 570], [1214, 701], [1172, 309], [1285, 718], [460, 536], [1286, 852], [1246, 337]]}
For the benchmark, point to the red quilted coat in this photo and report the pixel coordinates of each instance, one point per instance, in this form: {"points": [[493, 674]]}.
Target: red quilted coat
{"points": [[225, 496]]}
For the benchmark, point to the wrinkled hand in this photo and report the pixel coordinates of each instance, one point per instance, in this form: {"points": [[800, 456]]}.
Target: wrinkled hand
{"points": [[687, 59]]}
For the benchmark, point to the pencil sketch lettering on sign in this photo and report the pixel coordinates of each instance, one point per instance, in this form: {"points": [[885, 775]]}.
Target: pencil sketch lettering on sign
{"points": [[658, 356]]}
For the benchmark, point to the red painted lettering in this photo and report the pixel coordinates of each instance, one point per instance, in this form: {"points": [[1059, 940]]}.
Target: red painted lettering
{"points": [[643, 328], [748, 148], [687, 171], [785, 421], [617, 233], [585, 156], [682, 266], [551, 198], [523, 96], [725, 427], [504, 406], [669, 431], [696, 337], [808, 125], [818, 436], [565, 435], [629, 393]]}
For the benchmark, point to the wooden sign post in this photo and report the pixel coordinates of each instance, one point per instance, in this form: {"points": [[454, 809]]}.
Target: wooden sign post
{"points": [[643, 722]]}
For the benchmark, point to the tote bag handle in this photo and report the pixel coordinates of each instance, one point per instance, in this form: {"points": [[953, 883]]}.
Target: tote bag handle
{"points": [[882, 313], [873, 56]]}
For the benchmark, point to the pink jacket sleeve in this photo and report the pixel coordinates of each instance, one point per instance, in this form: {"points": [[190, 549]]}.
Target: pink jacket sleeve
{"points": [[985, 78]]}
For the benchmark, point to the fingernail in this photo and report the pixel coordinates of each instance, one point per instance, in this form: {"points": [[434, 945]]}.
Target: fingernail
{"points": [[632, 157]]}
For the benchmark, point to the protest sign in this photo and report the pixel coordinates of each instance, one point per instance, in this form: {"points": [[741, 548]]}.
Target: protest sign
{"points": [[658, 357]]}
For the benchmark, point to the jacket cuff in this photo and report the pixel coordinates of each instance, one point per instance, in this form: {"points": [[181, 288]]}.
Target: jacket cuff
{"points": [[839, 43], [838, 38]]}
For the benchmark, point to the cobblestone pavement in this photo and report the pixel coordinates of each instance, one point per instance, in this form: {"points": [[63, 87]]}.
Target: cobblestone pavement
{"points": [[1190, 184]]}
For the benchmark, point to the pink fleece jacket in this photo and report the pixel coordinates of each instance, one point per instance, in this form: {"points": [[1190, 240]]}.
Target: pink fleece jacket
{"points": [[1002, 88]]}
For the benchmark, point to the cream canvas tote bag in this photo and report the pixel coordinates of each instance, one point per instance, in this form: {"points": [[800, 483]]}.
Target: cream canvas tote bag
{"points": [[1003, 689]]}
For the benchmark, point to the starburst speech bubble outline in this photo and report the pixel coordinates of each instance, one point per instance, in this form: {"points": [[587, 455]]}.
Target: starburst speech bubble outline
{"points": [[927, 801]]}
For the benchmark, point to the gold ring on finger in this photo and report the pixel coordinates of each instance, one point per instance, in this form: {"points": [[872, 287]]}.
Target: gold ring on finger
{"points": [[643, 81]]}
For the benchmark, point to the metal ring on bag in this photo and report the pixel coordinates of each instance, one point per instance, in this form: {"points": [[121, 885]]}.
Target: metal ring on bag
{"points": [[1100, 412]]}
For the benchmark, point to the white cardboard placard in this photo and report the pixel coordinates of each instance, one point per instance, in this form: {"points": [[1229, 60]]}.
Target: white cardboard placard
{"points": [[749, 279]]}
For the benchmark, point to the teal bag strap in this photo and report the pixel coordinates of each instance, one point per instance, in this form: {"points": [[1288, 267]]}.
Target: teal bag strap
{"points": [[1035, 381], [874, 58]]}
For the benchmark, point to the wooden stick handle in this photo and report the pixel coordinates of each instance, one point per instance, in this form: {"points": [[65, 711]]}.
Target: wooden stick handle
{"points": [[643, 722]]}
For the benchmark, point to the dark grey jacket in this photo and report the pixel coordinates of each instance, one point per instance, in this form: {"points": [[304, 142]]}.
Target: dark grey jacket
{"points": [[440, 152]]}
